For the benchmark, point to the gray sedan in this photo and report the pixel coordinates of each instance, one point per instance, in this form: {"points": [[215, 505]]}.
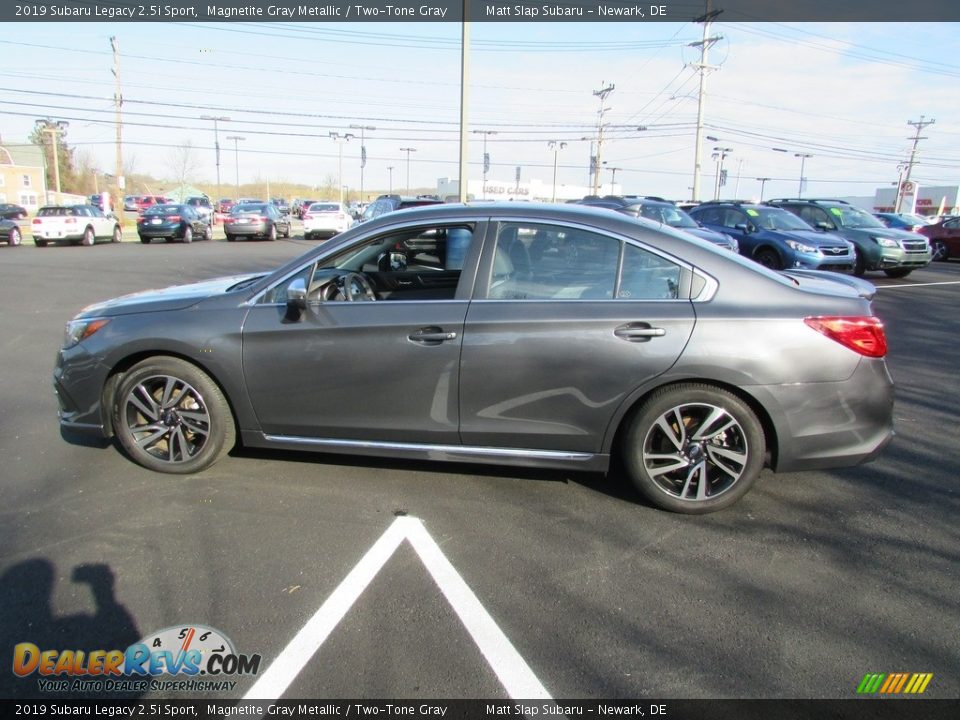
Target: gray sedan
{"points": [[549, 336]]}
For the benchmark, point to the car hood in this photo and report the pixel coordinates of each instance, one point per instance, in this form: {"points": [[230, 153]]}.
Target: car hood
{"points": [[713, 236], [893, 233], [175, 297], [832, 283], [812, 237]]}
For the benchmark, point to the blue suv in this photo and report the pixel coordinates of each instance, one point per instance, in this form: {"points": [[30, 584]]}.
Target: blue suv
{"points": [[776, 238]]}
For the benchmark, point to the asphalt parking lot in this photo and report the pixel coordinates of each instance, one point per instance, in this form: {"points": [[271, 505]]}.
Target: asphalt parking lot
{"points": [[811, 581]]}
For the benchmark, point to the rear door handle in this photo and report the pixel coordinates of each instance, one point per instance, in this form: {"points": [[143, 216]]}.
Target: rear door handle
{"points": [[638, 332], [431, 336]]}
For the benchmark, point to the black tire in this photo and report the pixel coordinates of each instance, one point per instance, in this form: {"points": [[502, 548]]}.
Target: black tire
{"points": [[768, 258], [173, 440], [898, 272], [272, 235], [117, 234], [208, 233], [732, 458], [188, 234], [88, 238], [859, 264], [286, 233], [230, 238], [14, 237], [39, 243], [307, 236], [144, 240]]}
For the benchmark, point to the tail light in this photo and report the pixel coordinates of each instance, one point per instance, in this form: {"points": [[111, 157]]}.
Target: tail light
{"points": [[36, 221], [263, 219], [70, 221], [864, 335], [173, 218]]}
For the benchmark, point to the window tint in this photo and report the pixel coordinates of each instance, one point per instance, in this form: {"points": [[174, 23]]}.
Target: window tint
{"points": [[647, 276]]}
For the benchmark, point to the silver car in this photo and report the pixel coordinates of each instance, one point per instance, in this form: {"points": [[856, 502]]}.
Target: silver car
{"points": [[519, 334]]}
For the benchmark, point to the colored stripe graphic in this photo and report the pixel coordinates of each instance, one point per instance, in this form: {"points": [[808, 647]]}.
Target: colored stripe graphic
{"points": [[894, 683]]}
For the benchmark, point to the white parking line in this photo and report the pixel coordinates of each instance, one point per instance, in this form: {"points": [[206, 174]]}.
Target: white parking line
{"points": [[914, 285], [511, 669]]}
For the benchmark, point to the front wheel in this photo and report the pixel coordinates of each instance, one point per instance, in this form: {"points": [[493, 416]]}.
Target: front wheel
{"points": [[208, 233], [14, 237], [273, 233], [769, 259], [188, 235], [694, 448], [117, 234], [286, 233], [88, 237], [859, 264], [169, 416]]}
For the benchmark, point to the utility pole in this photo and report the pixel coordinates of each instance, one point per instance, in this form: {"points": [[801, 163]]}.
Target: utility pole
{"points": [[763, 182], [464, 105], [54, 130], [702, 66], [390, 187], [719, 155], [613, 178], [408, 150], [486, 158], [602, 94], [363, 151], [119, 180], [556, 147], [919, 125], [340, 140], [216, 144], [236, 159], [803, 158]]}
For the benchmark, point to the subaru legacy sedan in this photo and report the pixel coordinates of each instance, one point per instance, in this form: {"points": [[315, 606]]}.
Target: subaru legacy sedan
{"points": [[516, 334]]}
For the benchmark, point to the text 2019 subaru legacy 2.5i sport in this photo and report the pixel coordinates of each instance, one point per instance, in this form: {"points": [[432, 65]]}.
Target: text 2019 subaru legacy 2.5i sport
{"points": [[499, 333]]}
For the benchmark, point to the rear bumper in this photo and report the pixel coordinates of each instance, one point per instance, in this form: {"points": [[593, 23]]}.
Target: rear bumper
{"points": [[834, 424], [251, 230]]}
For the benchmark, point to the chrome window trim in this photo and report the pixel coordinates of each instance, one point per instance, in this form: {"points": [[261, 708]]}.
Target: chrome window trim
{"points": [[427, 447]]}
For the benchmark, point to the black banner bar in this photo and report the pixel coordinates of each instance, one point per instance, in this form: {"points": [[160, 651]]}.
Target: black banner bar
{"points": [[477, 11]]}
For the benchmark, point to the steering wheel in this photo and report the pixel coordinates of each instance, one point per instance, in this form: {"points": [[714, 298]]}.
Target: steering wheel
{"points": [[356, 286]]}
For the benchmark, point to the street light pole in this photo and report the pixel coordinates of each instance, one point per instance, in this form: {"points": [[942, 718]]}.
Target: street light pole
{"points": [[613, 178], [556, 147], [54, 130], [236, 159], [390, 187], [408, 150], [363, 151], [763, 182], [719, 154], [486, 158], [340, 140], [216, 141]]}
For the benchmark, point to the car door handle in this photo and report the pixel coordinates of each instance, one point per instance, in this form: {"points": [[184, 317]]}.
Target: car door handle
{"points": [[638, 332], [431, 336]]}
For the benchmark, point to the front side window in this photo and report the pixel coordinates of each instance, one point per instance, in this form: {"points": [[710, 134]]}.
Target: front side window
{"points": [[550, 262]]}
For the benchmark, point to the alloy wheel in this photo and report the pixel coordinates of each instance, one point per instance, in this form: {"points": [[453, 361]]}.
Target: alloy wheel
{"points": [[167, 418]]}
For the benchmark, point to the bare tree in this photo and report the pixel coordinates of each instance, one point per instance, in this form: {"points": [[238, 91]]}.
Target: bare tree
{"points": [[183, 163]]}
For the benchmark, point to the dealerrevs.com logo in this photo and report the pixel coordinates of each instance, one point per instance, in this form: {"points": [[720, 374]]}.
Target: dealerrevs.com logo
{"points": [[200, 657]]}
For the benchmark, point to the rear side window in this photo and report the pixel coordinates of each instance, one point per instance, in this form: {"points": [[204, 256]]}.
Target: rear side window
{"points": [[549, 262]]}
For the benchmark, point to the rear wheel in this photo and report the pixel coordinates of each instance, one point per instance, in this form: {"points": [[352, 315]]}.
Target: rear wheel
{"points": [[272, 235], [88, 237], [769, 258], [14, 237], [171, 417], [286, 233], [898, 272], [188, 235], [39, 243], [144, 240], [694, 448], [117, 234]]}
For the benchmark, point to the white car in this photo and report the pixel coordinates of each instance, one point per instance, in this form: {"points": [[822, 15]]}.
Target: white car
{"points": [[77, 224], [326, 219]]}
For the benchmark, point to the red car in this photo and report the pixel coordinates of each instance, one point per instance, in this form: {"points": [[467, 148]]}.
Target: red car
{"points": [[944, 238], [148, 201]]}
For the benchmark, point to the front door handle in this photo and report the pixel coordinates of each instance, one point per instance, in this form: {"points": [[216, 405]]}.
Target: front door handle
{"points": [[431, 336], [638, 332]]}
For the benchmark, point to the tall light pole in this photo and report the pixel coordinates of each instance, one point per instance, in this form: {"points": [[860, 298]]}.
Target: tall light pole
{"points": [[363, 151], [216, 142], [556, 147], [408, 150], [763, 182], [54, 130], [340, 140], [602, 94], [236, 159], [705, 44], [390, 187], [803, 158], [486, 158], [719, 155]]}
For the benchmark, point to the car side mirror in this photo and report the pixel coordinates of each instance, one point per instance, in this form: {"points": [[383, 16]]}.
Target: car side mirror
{"points": [[742, 227], [296, 300]]}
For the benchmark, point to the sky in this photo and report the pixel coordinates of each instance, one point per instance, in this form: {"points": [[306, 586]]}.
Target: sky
{"points": [[840, 92]]}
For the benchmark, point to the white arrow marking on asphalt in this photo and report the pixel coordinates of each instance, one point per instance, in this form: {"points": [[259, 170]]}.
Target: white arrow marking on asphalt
{"points": [[513, 672]]}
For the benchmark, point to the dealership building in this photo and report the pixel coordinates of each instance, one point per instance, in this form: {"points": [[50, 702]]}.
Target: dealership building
{"points": [[926, 199], [533, 190]]}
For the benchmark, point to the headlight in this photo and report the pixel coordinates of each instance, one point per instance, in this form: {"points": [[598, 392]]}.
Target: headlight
{"points": [[78, 330], [885, 242], [802, 248]]}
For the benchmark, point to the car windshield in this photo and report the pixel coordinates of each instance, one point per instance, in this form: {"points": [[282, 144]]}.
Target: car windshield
{"points": [[248, 208], [776, 219], [674, 217], [162, 210], [854, 217], [324, 207]]}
